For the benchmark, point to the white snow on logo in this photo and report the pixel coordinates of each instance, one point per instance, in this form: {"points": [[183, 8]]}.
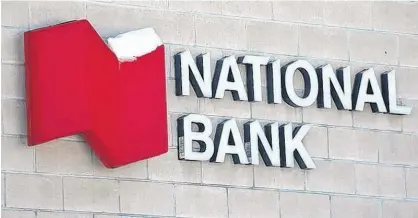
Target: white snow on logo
{"points": [[130, 45]]}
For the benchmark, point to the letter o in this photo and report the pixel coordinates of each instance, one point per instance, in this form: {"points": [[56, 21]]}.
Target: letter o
{"points": [[310, 79]]}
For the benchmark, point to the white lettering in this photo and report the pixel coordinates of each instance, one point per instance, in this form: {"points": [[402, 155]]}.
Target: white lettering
{"points": [[229, 142], [274, 82], [186, 137], [254, 75], [365, 83], [341, 95], [229, 78], [389, 95], [294, 148], [185, 67], [311, 84], [269, 147]]}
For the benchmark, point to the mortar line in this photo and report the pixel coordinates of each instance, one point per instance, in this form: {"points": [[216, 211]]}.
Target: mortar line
{"points": [[245, 18], [227, 201], [238, 186]]}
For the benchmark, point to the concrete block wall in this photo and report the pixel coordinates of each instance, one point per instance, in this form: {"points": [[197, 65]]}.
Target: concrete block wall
{"points": [[367, 164]]}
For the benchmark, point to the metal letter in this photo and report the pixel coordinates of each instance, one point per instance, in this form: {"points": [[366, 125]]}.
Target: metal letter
{"points": [[228, 141], [292, 147], [366, 89], [228, 77], [340, 95], [389, 95], [274, 84], [311, 84], [185, 67], [253, 66], [186, 137], [269, 147]]}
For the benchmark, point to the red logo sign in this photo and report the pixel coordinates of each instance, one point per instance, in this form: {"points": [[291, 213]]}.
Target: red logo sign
{"points": [[76, 84]]}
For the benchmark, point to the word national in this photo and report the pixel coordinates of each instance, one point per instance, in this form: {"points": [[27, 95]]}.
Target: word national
{"points": [[277, 145]]}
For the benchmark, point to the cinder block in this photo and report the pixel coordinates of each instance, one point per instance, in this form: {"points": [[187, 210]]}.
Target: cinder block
{"points": [[170, 131], [3, 190], [405, 85], [355, 144], [373, 47], [299, 11], [348, 207], [168, 167], [253, 203], [43, 14], [279, 178], [352, 14], [331, 116], [15, 14], [34, 191], [147, 198], [147, 4], [64, 157], [16, 155], [225, 107], [378, 68], [90, 194], [227, 173], [395, 16], [173, 130], [408, 50], [176, 27], [276, 112], [14, 117], [331, 176], [220, 32], [168, 59], [300, 205], [110, 216], [13, 81], [201, 201], [367, 179], [63, 215], [409, 121], [186, 104], [369, 120], [323, 42], [102, 17], [137, 170], [271, 37], [113, 216], [392, 181], [396, 209], [399, 149], [380, 180], [316, 142], [17, 213], [411, 182], [253, 9], [12, 44], [109, 20], [208, 7]]}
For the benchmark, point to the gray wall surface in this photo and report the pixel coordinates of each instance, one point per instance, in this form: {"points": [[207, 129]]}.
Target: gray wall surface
{"points": [[367, 163]]}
